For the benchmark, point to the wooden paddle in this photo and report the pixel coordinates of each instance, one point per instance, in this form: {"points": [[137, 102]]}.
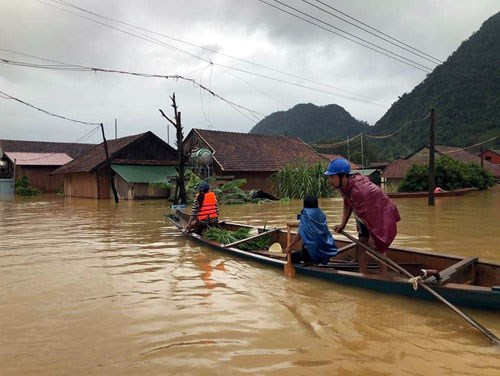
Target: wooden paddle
{"points": [[393, 265], [288, 268]]}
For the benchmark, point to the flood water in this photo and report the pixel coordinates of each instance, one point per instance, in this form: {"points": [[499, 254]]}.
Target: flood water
{"points": [[92, 288]]}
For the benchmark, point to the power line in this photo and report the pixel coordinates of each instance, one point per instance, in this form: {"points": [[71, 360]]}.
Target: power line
{"points": [[368, 100], [401, 128], [86, 136], [82, 68], [7, 96], [368, 44], [337, 144], [436, 60]]}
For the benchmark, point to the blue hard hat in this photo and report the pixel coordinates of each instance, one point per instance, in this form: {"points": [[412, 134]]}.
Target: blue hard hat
{"points": [[203, 186], [338, 166]]}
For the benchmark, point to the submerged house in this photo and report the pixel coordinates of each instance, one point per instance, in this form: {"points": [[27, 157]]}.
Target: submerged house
{"points": [[140, 166], [253, 157], [396, 170], [36, 160]]}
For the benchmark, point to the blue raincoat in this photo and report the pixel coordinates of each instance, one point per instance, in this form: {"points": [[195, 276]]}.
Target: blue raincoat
{"points": [[316, 237]]}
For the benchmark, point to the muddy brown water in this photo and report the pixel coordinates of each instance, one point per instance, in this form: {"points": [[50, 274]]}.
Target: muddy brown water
{"points": [[93, 288]]}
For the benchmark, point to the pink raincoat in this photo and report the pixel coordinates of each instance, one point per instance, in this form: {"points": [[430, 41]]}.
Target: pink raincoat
{"points": [[372, 206]]}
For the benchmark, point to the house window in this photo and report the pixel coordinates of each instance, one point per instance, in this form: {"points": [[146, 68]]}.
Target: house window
{"points": [[488, 159]]}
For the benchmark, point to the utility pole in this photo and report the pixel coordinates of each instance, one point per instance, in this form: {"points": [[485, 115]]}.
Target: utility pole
{"points": [[348, 150], [432, 182], [180, 196], [362, 152], [482, 163], [111, 177], [116, 129]]}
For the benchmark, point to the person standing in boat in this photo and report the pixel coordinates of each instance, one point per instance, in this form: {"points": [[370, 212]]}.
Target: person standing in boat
{"points": [[318, 243], [205, 210], [376, 214]]}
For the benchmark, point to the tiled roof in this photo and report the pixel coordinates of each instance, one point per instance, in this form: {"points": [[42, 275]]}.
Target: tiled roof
{"points": [[397, 169], [72, 149], [331, 157], [97, 155], [38, 159], [254, 152], [464, 156]]}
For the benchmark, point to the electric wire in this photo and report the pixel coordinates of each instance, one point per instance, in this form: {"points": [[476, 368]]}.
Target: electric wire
{"points": [[469, 147], [434, 59], [86, 136], [7, 96], [83, 69], [399, 129], [368, 44], [156, 41], [147, 75]]}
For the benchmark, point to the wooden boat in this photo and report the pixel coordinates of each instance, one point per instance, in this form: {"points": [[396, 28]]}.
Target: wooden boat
{"points": [[462, 281], [456, 192]]}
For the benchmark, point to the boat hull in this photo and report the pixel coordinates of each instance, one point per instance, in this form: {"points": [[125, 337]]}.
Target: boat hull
{"points": [[484, 296]]}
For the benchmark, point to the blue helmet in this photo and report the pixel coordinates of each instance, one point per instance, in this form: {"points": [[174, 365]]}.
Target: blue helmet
{"points": [[338, 166], [203, 187]]}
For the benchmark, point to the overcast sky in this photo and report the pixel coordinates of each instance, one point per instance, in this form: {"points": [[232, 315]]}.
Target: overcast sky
{"points": [[254, 56]]}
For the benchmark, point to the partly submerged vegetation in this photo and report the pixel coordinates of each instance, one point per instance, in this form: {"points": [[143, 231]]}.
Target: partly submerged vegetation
{"points": [[299, 179], [450, 175], [24, 188]]}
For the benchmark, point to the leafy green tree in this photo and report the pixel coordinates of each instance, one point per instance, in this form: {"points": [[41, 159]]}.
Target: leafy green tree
{"points": [[450, 175]]}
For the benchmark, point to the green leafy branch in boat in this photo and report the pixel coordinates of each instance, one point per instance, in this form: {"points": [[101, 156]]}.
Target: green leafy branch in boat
{"points": [[226, 237]]}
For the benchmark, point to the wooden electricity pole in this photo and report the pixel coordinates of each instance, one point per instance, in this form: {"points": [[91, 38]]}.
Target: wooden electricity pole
{"points": [[111, 177], [432, 182], [180, 197]]}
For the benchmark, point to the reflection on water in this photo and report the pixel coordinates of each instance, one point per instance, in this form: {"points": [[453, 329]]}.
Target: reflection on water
{"points": [[93, 288]]}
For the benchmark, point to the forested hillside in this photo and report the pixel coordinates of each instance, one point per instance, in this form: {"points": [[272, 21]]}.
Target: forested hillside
{"points": [[311, 123], [464, 91]]}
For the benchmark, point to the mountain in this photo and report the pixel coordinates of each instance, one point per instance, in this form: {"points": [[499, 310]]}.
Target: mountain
{"points": [[464, 91], [311, 123]]}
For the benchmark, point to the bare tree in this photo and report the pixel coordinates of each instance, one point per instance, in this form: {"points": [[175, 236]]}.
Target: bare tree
{"points": [[180, 188]]}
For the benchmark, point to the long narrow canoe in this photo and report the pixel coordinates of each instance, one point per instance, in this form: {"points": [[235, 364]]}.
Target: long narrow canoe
{"points": [[456, 192], [462, 281]]}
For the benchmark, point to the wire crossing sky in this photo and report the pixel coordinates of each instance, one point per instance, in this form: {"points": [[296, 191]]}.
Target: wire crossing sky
{"points": [[257, 58]]}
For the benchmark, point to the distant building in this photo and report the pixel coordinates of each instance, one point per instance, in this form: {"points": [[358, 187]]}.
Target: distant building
{"points": [[396, 170], [331, 157], [140, 166], [36, 160], [253, 157], [492, 156]]}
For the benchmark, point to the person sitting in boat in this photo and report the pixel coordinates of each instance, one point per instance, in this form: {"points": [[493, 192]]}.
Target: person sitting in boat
{"points": [[376, 214], [318, 243], [205, 210]]}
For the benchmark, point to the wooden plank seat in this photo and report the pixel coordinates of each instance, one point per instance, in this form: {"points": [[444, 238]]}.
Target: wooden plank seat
{"points": [[446, 274]]}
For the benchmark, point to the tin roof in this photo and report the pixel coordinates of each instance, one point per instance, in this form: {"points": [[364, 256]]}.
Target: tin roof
{"points": [[38, 159], [144, 174], [71, 149]]}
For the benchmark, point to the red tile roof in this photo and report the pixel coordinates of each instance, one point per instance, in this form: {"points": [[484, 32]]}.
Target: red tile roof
{"points": [[331, 157], [254, 152], [397, 169]]}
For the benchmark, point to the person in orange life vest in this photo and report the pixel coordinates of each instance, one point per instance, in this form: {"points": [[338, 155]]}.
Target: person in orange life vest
{"points": [[376, 214], [205, 210]]}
